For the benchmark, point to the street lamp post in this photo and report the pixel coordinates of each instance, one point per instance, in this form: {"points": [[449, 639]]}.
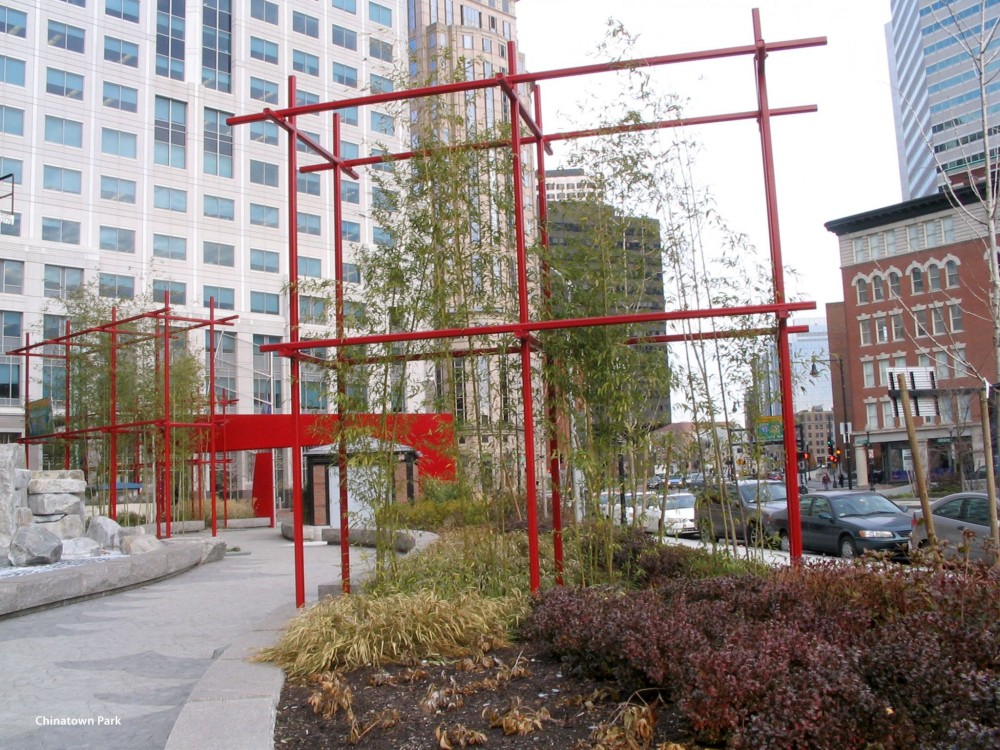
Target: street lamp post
{"points": [[847, 424]]}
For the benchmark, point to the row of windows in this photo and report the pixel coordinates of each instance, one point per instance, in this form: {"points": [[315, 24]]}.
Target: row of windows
{"points": [[931, 278], [937, 320], [268, 51], [927, 234], [303, 23]]}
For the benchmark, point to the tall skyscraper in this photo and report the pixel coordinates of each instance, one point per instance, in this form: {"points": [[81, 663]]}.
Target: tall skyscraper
{"points": [[936, 92], [127, 177]]}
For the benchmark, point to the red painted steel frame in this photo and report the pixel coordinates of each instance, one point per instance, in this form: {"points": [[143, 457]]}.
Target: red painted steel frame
{"points": [[525, 327]]}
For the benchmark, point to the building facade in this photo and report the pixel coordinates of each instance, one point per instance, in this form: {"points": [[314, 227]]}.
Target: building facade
{"points": [[936, 93], [129, 181], [916, 295]]}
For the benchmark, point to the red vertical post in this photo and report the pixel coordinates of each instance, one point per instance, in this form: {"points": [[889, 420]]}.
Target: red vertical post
{"points": [[66, 411], [523, 313], [550, 390], [338, 263], [168, 497], [113, 419], [212, 444], [293, 336], [784, 357]]}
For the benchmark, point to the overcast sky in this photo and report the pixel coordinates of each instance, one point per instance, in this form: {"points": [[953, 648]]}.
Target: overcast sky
{"points": [[834, 163]]}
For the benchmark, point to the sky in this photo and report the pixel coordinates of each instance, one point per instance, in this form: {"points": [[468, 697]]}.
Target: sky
{"points": [[830, 164]]}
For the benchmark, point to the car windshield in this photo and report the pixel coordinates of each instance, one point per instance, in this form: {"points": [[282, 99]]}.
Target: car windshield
{"points": [[863, 505], [679, 501], [764, 492]]}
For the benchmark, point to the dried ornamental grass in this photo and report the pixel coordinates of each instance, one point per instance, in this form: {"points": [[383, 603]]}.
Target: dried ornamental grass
{"points": [[357, 630]]}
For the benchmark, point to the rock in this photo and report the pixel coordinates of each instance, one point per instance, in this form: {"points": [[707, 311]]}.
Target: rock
{"points": [[48, 482], [4, 549], [48, 503], [139, 544], [105, 532], [213, 550], [23, 517], [64, 527], [11, 495], [33, 545], [80, 547]]}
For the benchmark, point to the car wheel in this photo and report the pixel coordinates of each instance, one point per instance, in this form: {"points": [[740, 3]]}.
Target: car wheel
{"points": [[784, 543], [756, 535], [847, 548]]}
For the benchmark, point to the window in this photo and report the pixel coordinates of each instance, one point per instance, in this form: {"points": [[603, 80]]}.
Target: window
{"points": [[219, 254], [120, 97], [63, 132], [934, 277], [350, 192], [863, 295], [176, 289], [61, 179], [265, 302], [225, 298], [262, 49], [65, 37], [12, 166], [308, 183], [60, 281], [312, 309], [948, 229], [302, 147], [890, 242], [951, 272], [264, 11], [115, 286], [917, 280], [120, 51], [379, 50], [345, 74], [914, 237], [170, 199], [304, 24], [264, 132], [14, 22], [11, 276], [383, 238], [351, 6], [305, 63], [308, 224], [871, 416], [310, 267], [117, 189], [383, 123], [263, 173], [937, 321], [349, 115], [868, 372], [941, 368], [471, 17], [13, 229], [468, 41], [61, 230], [350, 231], [898, 330], [881, 330], [865, 328], [218, 144], [217, 207], [379, 14], [170, 39], [895, 288], [932, 233], [11, 71], [352, 274], [383, 200], [878, 289], [955, 313], [386, 164], [117, 239], [861, 253], [12, 120], [265, 91], [883, 371], [167, 246], [216, 45], [263, 260], [378, 83], [920, 320], [875, 246], [170, 133], [349, 150], [10, 367], [345, 37], [354, 313], [303, 98], [127, 10], [62, 83], [264, 216], [118, 143]]}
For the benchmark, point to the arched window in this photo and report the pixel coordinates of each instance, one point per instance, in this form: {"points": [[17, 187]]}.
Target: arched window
{"points": [[951, 270], [862, 292], [934, 277], [917, 279], [895, 288], [878, 289]]}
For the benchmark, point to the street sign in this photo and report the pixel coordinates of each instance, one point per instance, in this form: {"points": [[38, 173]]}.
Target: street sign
{"points": [[846, 430], [907, 459], [770, 430]]}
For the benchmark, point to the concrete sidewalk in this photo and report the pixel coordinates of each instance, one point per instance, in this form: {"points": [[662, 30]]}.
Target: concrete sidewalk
{"points": [[162, 665]]}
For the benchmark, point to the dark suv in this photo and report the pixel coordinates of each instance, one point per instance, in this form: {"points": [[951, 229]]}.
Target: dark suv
{"points": [[741, 510]]}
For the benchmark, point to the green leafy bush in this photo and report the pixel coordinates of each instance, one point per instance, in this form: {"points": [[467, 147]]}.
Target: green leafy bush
{"points": [[131, 518]]}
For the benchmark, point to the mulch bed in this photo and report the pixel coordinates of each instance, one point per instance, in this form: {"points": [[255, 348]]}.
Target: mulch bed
{"points": [[512, 698]]}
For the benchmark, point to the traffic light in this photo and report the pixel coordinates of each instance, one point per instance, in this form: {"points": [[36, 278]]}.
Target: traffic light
{"points": [[829, 444]]}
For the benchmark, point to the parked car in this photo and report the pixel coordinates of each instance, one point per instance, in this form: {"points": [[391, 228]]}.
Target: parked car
{"points": [[695, 479], [847, 523], [744, 509], [677, 512], [655, 482], [675, 481], [962, 521]]}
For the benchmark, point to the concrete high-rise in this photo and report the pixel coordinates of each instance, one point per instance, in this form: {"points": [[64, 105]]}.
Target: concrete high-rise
{"points": [[936, 92]]}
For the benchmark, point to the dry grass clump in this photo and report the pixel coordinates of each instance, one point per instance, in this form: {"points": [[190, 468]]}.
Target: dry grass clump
{"points": [[349, 632]]}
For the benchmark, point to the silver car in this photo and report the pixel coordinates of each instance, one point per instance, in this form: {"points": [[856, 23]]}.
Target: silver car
{"points": [[962, 522]]}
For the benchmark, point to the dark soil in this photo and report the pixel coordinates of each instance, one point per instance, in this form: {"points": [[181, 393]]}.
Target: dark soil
{"points": [[513, 698]]}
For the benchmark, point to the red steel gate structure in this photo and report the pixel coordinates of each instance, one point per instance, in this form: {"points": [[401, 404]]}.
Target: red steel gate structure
{"points": [[526, 131]]}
